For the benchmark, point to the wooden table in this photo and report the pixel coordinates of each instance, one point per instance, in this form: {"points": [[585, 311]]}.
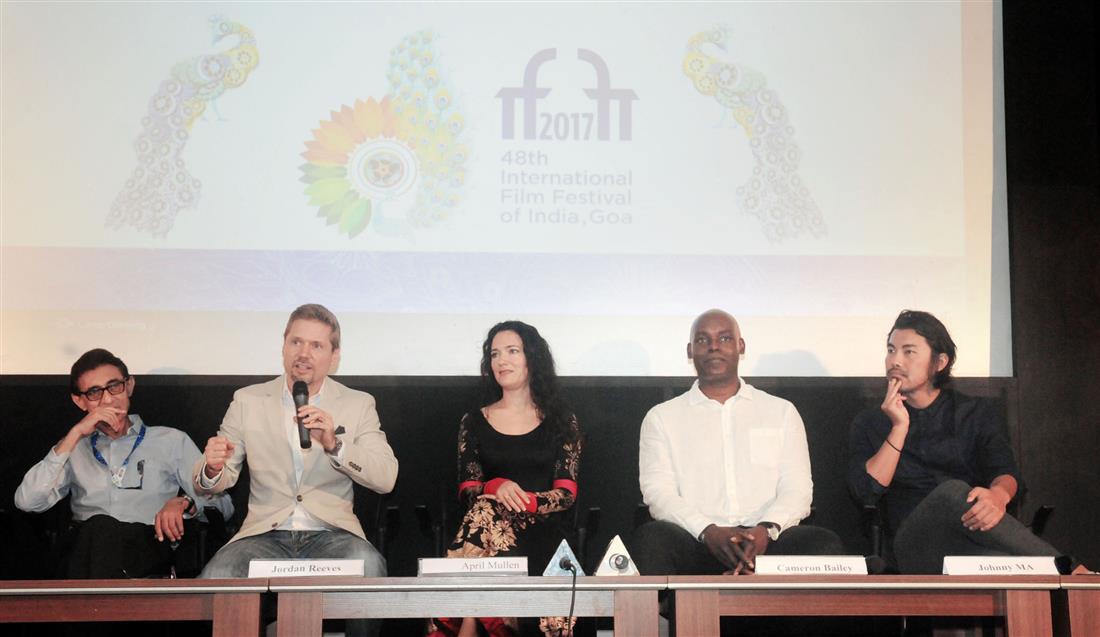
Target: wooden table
{"points": [[233, 605], [1080, 605], [304, 602], [1023, 601]]}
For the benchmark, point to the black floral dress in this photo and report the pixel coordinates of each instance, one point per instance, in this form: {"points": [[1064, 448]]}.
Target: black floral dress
{"points": [[540, 462]]}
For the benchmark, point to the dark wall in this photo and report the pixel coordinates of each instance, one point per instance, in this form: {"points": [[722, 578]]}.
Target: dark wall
{"points": [[420, 416], [1054, 205]]}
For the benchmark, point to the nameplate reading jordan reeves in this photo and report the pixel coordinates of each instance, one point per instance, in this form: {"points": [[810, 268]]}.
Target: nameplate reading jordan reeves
{"points": [[304, 568], [811, 565], [472, 566], [998, 565]]}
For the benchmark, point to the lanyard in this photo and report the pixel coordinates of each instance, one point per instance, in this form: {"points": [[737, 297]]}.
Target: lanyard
{"points": [[116, 476]]}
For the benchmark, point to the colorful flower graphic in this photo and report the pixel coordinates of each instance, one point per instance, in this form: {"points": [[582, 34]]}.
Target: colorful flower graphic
{"points": [[376, 151]]}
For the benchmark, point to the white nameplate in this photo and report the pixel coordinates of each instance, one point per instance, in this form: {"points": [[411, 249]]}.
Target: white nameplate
{"points": [[811, 565], [472, 566], [999, 565], [297, 568]]}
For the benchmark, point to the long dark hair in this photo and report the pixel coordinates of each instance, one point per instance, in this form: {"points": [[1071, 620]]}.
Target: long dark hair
{"points": [[937, 336], [541, 377]]}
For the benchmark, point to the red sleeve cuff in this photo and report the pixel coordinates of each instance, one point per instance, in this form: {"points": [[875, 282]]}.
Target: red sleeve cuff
{"points": [[466, 485], [568, 485], [494, 484]]}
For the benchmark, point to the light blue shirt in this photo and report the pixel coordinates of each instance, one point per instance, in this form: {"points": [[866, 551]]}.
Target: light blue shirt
{"points": [[159, 468]]}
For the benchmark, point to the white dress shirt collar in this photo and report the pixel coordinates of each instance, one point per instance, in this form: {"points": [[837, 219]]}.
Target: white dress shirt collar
{"points": [[696, 396]]}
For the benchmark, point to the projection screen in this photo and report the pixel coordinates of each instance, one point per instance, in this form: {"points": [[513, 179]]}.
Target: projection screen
{"points": [[176, 177]]}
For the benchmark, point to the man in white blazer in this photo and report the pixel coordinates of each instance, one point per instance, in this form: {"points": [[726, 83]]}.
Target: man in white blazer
{"points": [[300, 500]]}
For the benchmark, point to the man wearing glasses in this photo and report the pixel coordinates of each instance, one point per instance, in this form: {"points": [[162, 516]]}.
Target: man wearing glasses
{"points": [[124, 478]]}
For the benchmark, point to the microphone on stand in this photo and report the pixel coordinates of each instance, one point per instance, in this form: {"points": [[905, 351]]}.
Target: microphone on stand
{"points": [[619, 562], [616, 560]]}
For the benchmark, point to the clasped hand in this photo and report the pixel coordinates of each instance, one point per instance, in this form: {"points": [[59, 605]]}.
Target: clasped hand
{"points": [[736, 546]]}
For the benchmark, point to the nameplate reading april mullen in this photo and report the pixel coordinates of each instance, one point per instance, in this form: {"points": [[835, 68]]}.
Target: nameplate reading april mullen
{"points": [[472, 566], [304, 568], [811, 565], [998, 565]]}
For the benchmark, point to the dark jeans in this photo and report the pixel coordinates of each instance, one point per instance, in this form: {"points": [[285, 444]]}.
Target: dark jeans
{"points": [[663, 548], [935, 529], [101, 547]]}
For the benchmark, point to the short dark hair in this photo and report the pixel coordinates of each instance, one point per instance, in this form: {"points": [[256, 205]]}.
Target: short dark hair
{"points": [[316, 312], [541, 376], [937, 336], [93, 359]]}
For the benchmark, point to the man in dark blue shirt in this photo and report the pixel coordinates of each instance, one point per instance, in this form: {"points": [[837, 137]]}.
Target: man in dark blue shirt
{"points": [[937, 463]]}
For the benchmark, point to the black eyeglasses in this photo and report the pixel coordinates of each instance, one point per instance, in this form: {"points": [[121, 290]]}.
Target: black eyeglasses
{"points": [[115, 387]]}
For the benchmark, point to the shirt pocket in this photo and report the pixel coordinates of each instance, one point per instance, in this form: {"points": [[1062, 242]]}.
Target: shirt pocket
{"points": [[145, 474], [765, 447]]}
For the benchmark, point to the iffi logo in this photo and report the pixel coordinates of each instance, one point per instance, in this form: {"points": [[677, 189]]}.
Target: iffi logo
{"points": [[574, 126]]}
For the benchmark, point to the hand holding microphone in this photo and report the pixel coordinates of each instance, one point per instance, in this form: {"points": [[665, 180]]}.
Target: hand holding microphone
{"points": [[313, 422], [300, 391]]}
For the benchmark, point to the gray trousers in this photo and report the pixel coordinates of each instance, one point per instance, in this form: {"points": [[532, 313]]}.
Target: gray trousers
{"points": [[935, 529]]}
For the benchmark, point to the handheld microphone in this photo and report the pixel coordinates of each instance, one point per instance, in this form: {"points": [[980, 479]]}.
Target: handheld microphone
{"points": [[300, 392]]}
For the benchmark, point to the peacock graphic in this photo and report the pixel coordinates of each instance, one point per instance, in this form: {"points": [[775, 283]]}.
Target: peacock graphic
{"points": [[774, 193], [370, 153], [161, 186]]}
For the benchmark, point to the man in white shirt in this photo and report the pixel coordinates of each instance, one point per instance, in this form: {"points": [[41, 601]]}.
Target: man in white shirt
{"points": [[724, 469], [300, 500]]}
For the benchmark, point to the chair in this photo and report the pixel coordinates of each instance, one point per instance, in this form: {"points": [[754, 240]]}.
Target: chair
{"points": [[199, 543], [381, 521]]}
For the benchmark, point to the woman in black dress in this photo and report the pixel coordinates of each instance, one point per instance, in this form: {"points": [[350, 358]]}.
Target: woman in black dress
{"points": [[518, 458]]}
